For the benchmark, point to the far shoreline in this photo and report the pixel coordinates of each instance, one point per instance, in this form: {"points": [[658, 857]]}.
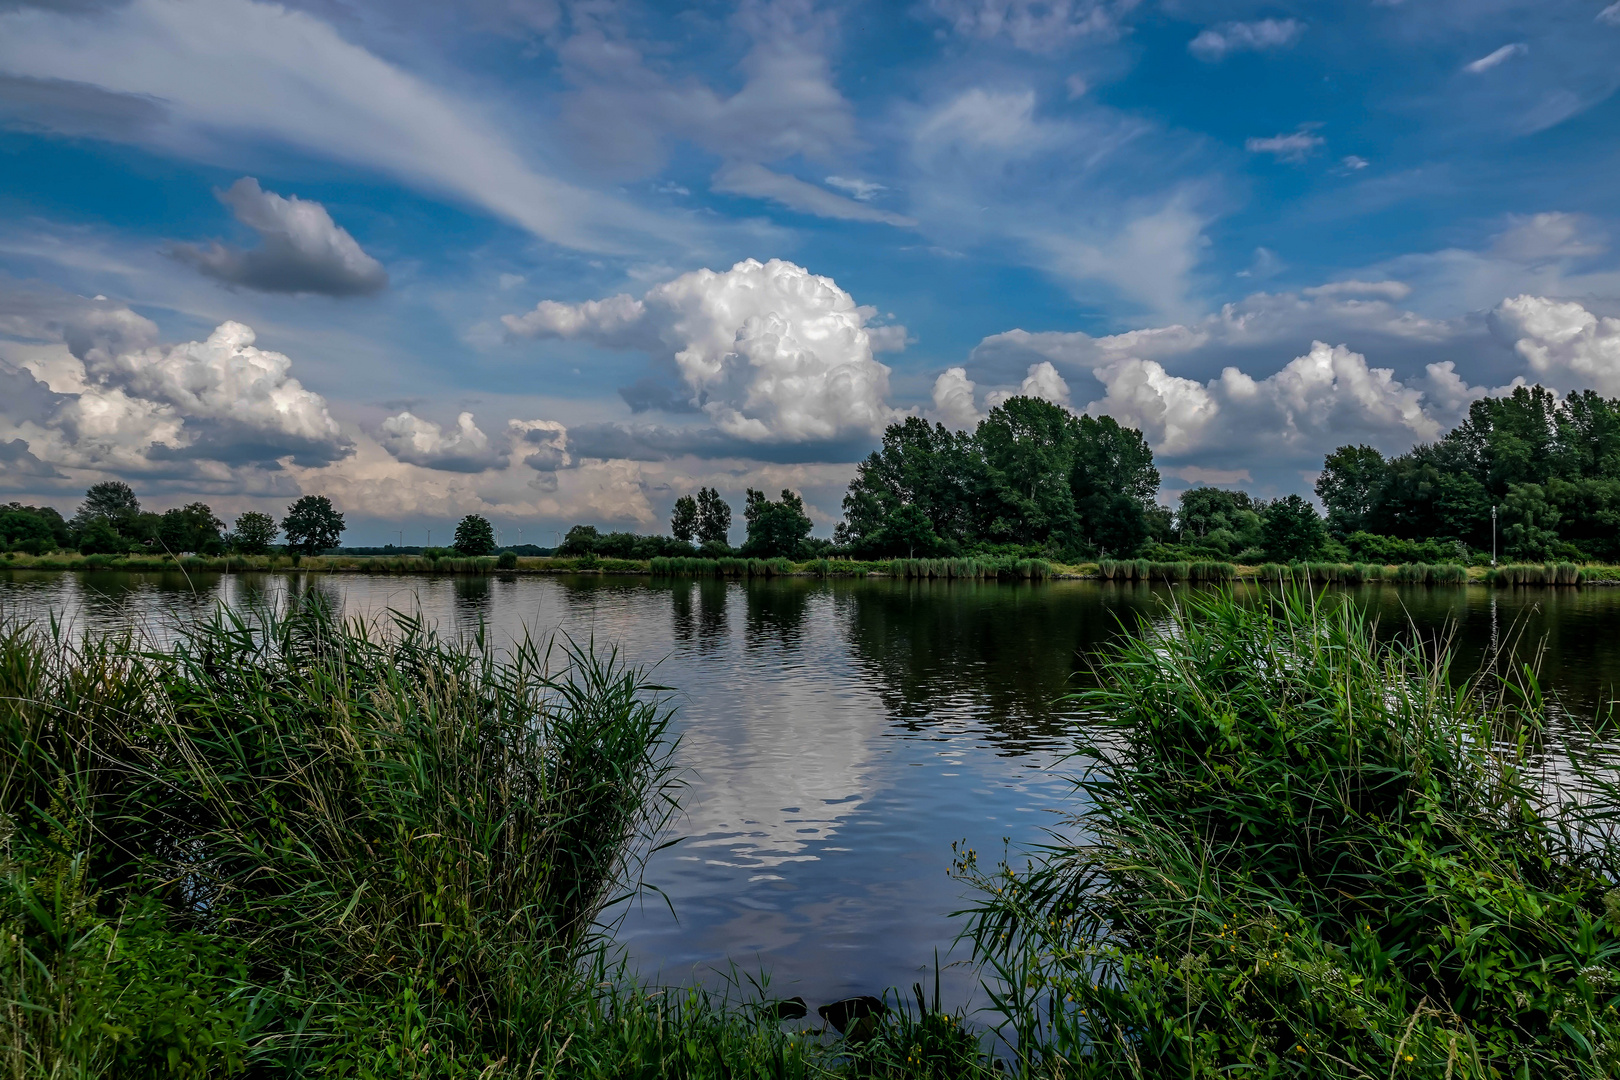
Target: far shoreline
{"points": [[1124, 571]]}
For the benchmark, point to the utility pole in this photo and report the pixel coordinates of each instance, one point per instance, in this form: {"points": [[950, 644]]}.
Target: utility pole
{"points": [[1493, 536]]}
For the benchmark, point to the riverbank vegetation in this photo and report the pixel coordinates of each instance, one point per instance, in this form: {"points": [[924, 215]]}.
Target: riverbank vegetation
{"points": [[288, 847], [1550, 466], [1007, 568], [1306, 849]]}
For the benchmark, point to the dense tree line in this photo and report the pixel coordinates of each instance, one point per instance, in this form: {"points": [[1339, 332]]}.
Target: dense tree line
{"points": [[702, 524], [1035, 478], [1032, 474], [1550, 468], [111, 521]]}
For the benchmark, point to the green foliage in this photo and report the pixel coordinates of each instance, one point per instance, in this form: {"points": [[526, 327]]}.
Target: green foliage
{"points": [[1309, 852], [111, 500], [683, 522], [410, 843], [775, 529], [191, 528], [1370, 547], [1032, 473], [474, 536], [1217, 520], [586, 540], [33, 529], [507, 561], [1291, 529], [312, 525], [713, 518], [971, 568], [1144, 570], [255, 532], [1352, 479], [1553, 467], [99, 536], [1529, 522], [915, 494]]}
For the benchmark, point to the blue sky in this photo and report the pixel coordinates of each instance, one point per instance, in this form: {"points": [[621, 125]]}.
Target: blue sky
{"points": [[493, 257]]}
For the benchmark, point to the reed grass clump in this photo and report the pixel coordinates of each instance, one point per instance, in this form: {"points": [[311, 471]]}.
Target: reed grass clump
{"points": [[684, 566], [1308, 850], [292, 846], [971, 568], [1565, 573], [1143, 570]]}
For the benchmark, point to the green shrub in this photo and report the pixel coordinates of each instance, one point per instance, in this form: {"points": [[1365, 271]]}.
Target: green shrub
{"points": [[1310, 852], [401, 834]]}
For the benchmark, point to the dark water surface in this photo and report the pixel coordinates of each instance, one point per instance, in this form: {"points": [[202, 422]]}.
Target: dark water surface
{"points": [[836, 737]]}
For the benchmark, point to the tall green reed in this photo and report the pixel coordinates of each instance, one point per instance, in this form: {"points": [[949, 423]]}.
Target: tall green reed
{"points": [[1307, 850], [337, 836]]}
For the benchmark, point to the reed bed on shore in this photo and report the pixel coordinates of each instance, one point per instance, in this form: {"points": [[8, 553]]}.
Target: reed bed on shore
{"points": [[679, 566], [1143, 570], [292, 846], [971, 568], [1307, 850], [1564, 573], [1362, 573]]}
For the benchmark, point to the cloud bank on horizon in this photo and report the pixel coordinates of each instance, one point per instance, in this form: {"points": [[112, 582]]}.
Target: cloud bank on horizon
{"points": [[559, 262]]}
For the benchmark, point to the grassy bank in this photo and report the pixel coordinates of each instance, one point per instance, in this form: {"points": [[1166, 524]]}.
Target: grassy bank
{"points": [[968, 568], [1307, 851], [289, 847]]}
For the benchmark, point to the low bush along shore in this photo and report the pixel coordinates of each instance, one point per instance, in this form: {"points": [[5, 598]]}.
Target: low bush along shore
{"points": [[1312, 853], [971, 567], [284, 846]]}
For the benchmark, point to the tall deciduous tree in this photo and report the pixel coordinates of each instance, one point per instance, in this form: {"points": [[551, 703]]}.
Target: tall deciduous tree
{"points": [[474, 536], [775, 528], [1028, 448], [714, 517], [929, 469], [312, 525], [255, 532], [111, 500], [1352, 481], [1530, 522], [1291, 529], [191, 528], [683, 523]]}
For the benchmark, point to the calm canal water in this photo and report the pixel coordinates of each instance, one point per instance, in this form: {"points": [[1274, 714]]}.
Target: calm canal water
{"points": [[836, 737]]}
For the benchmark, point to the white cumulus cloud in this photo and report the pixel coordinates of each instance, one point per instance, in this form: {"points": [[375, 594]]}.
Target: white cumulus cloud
{"points": [[1216, 42], [1328, 396], [1566, 346], [769, 351], [1041, 381], [302, 250], [92, 390], [954, 403], [416, 441]]}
